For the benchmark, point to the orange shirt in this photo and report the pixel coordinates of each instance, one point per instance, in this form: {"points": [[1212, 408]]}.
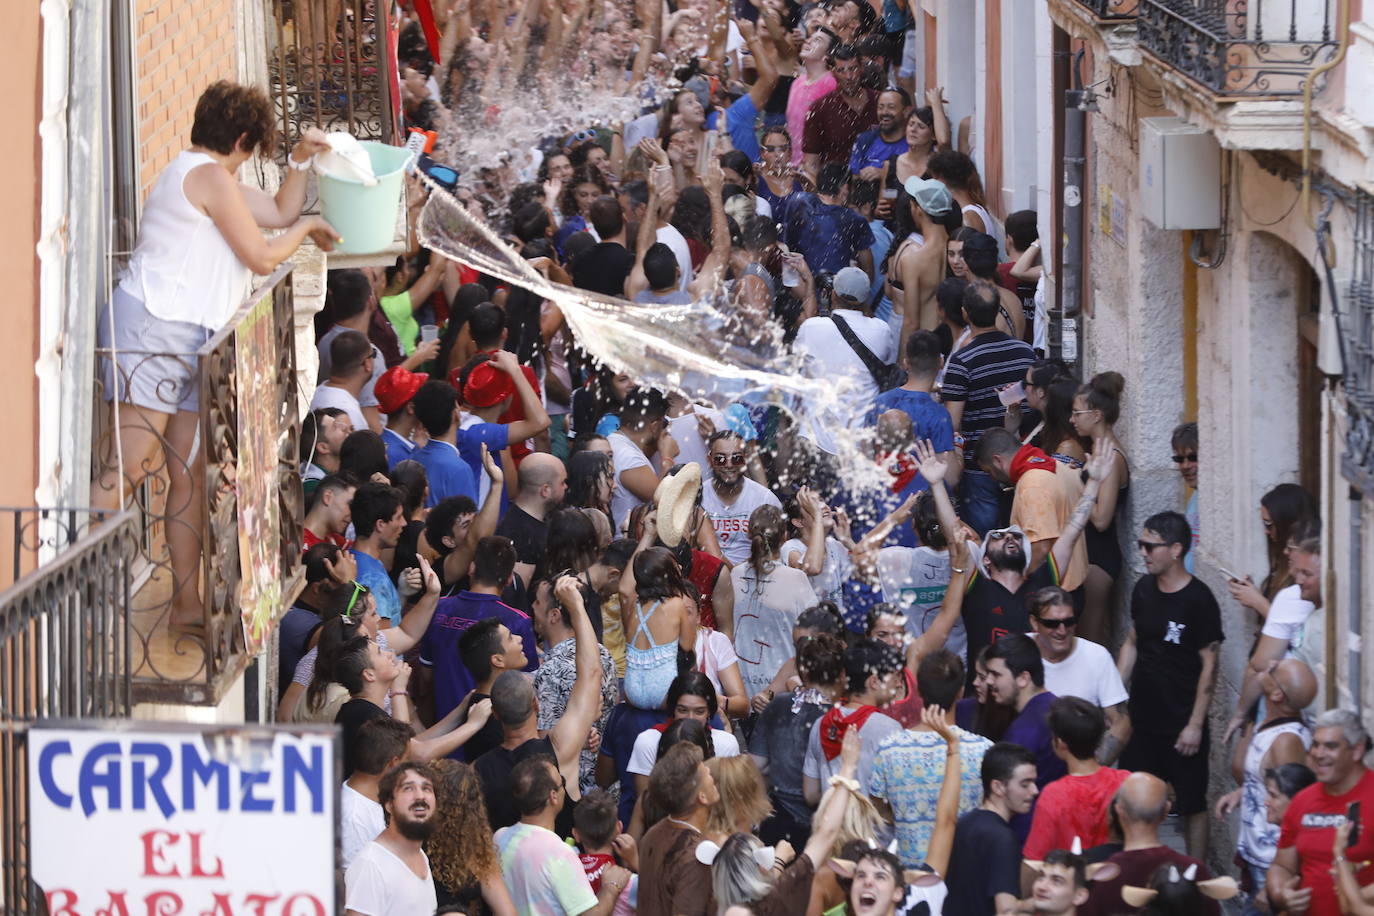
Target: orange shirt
{"points": [[1044, 501]]}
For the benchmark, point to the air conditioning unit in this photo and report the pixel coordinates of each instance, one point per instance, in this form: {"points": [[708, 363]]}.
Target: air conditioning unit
{"points": [[1180, 175]]}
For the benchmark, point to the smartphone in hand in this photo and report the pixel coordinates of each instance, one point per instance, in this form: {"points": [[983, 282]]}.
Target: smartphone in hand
{"points": [[1352, 814], [1228, 574]]}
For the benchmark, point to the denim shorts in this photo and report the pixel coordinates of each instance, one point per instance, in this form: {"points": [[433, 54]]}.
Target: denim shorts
{"points": [[158, 367]]}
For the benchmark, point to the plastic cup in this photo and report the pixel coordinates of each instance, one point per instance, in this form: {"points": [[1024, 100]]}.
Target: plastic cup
{"points": [[429, 332]]}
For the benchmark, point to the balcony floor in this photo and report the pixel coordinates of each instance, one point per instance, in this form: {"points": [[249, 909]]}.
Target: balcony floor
{"points": [[158, 655]]}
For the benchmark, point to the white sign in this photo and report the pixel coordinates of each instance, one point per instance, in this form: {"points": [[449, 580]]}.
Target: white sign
{"points": [[133, 818]]}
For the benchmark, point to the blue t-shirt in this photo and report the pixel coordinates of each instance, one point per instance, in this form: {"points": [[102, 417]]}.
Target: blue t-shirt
{"points": [[495, 435], [448, 473], [739, 122], [929, 418], [398, 447], [373, 574], [439, 646], [871, 150], [828, 235], [882, 242]]}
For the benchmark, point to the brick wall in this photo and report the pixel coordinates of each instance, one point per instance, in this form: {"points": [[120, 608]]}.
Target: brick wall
{"points": [[182, 46]]}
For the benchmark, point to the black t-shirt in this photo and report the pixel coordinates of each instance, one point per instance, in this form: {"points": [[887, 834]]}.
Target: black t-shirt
{"points": [[1170, 629], [603, 268], [991, 612], [985, 861], [527, 533], [351, 716], [489, 736], [407, 554], [494, 769]]}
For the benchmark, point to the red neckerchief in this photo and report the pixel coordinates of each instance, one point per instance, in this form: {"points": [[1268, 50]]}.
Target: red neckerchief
{"points": [[663, 726], [902, 466], [836, 722], [1030, 458]]}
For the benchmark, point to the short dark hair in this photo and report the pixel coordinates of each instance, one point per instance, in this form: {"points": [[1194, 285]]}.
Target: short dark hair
{"points": [[1022, 229], [607, 217], [862, 193], [478, 644], [386, 786], [595, 818], [512, 698], [1290, 778], [434, 404], [352, 659], [311, 436], [997, 442], [980, 303], [618, 553], [833, 176], [226, 111], [1172, 527], [660, 266], [313, 560], [843, 52], [348, 293], [531, 221], [980, 255], [643, 406], [378, 742], [347, 352], [825, 616], [440, 520], [1066, 859], [331, 483], [1021, 656], [1079, 724], [940, 678], [923, 354], [949, 295], [674, 781], [1184, 436], [485, 324], [868, 658], [362, 454], [531, 782], [493, 561], [820, 659], [373, 503], [1047, 597], [1001, 761]]}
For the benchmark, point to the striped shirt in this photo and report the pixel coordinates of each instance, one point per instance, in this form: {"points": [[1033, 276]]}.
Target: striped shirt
{"points": [[988, 362]]}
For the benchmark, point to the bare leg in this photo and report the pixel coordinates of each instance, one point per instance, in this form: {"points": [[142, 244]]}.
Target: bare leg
{"points": [[139, 438], [1096, 624], [185, 509]]}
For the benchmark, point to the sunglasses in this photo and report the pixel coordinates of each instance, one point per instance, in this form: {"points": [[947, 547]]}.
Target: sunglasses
{"points": [[358, 591], [1058, 622], [582, 136], [999, 534], [720, 461], [1190, 458], [1148, 546]]}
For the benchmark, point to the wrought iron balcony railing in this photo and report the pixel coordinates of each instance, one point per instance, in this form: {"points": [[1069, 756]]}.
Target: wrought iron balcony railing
{"points": [[219, 555], [1240, 48], [64, 648], [1111, 9]]}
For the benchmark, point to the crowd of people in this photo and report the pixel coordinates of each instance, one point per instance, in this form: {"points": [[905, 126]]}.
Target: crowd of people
{"points": [[595, 647]]}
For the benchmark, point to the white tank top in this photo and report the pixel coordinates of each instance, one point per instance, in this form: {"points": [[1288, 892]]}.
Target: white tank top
{"points": [[1259, 839], [990, 226], [182, 269]]}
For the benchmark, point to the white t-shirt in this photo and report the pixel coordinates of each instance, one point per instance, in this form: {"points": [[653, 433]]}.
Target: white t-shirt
{"points": [[670, 236], [715, 653], [732, 522], [829, 583], [1287, 619], [765, 614], [379, 884], [625, 456], [329, 396], [1088, 673], [645, 752], [826, 355], [360, 821], [914, 579], [877, 729]]}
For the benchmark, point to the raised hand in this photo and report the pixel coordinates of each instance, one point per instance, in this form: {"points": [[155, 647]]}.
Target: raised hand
{"points": [[931, 463], [1101, 461], [492, 467]]}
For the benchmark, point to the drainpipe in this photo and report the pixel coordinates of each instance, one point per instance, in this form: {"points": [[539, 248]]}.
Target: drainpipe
{"points": [[1352, 638], [1071, 276]]}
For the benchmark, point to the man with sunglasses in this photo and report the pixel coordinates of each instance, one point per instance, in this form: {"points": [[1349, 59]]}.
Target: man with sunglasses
{"points": [[1077, 667], [1169, 660], [1184, 442], [731, 496]]}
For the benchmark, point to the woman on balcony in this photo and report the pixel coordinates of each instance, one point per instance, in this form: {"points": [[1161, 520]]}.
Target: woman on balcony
{"points": [[199, 244]]}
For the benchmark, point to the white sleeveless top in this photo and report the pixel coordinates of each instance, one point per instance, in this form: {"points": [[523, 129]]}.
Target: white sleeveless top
{"points": [[1259, 839], [182, 269], [991, 226]]}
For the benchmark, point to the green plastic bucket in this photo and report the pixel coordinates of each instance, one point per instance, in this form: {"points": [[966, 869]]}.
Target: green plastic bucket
{"points": [[366, 216]]}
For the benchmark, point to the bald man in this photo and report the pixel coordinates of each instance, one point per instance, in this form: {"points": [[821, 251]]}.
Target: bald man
{"points": [[1141, 804], [1288, 687], [543, 484]]}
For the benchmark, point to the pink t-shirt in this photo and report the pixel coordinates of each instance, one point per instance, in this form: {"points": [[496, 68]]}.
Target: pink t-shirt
{"points": [[800, 98]]}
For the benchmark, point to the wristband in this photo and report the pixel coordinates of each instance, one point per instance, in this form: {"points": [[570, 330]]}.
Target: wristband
{"points": [[299, 166], [398, 693]]}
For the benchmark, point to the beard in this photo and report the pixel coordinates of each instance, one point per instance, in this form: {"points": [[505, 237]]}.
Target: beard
{"points": [[416, 829], [1006, 561]]}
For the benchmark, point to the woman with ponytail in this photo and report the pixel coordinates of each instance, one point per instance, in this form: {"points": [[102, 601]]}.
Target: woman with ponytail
{"points": [[1096, 408], [769, 596]]}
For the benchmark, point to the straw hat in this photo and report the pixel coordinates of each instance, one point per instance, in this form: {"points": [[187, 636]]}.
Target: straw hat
{"points": [[676, 497]]}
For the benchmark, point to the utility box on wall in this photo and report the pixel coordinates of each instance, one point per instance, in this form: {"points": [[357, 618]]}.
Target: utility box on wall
{"points": [[1180, 175]]}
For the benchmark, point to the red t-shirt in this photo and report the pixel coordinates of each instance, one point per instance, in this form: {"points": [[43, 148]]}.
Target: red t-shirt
{"points": [[594, 864], [908, 709], [310, 539], [1073, 806], [1310, 825]]}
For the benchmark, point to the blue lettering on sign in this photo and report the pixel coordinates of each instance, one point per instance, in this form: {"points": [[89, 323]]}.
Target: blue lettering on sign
{"points": [[103, 769]]}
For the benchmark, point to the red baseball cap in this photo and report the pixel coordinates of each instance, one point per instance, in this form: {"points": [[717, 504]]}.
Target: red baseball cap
{"points": [[487, 385], [396, 387]]}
